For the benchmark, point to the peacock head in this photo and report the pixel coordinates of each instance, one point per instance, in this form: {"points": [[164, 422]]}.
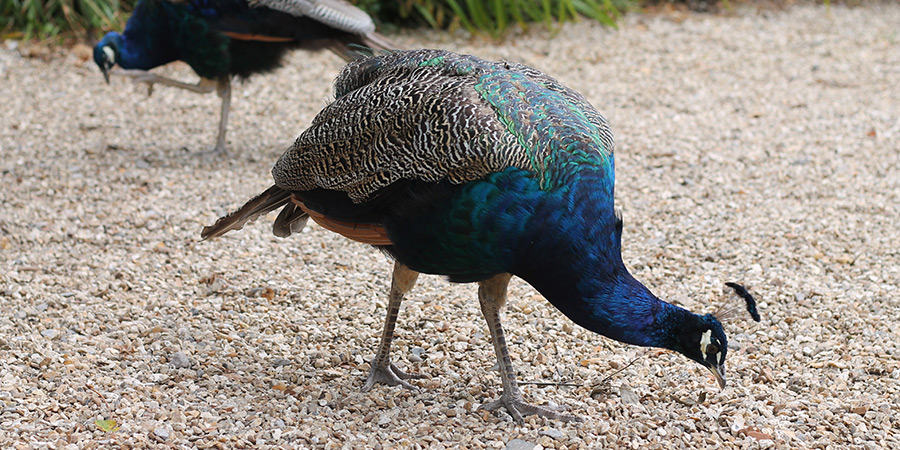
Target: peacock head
{"points": [[702, 338], [106, 51]]}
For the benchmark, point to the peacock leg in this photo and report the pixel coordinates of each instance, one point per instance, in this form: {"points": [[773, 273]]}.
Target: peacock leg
{"points": [[492, 296], [383, 370], [204, 86], [223, 89]]}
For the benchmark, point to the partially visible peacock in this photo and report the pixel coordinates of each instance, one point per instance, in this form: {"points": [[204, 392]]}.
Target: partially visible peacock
{"points": [[226, 38], [478, 171]]}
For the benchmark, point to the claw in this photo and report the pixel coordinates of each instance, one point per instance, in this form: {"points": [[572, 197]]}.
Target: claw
{"points": [[390, 375], [212, 153]]}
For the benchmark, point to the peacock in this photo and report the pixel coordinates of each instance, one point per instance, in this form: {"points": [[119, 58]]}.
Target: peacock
{"points": [[220, 39], [478, 171]]}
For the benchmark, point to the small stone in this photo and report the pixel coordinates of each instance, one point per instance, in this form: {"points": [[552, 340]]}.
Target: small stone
{"points": [[552, 432], [518, 444], [161, 433], [49, 334], [417, 354], [765, 375], [216, 285], [180, 361], [332, 374], [278, 362], [628, 395]]}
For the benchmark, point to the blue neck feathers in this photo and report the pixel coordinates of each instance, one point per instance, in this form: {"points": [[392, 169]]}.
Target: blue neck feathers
{"points": [[148, 40], [577, 242]]}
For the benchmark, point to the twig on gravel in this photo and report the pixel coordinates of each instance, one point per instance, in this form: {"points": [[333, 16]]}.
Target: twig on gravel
{"points": [[603, 386]]}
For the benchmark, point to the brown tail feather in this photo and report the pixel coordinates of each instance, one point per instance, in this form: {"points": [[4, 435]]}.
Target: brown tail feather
{"points": [[270, 200], [290, 220], [367, 233]]}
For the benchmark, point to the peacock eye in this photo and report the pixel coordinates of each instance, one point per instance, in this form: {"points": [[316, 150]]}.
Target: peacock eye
{"points": [[712, 349]]}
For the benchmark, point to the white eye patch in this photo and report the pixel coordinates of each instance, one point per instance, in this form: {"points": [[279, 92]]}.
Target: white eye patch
{"points": [[704, 341], [110, 53]]}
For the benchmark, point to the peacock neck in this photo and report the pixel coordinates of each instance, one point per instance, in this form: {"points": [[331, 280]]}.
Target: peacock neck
{"points": [[148, 40], [599, 294]]}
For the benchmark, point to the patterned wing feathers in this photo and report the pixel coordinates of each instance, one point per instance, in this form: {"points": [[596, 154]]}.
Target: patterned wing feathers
{"points": [[339, 14], [431, 115], [424, 126]]}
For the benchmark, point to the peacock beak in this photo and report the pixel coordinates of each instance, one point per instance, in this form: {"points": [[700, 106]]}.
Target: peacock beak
{"points": [[108, 60], [718, 372]]}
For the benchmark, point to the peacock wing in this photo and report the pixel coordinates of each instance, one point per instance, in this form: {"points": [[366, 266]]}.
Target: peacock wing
{"points": [[338, 14], [431, 115], [414, 125]]}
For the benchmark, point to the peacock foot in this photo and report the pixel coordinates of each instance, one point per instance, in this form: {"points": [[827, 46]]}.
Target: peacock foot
{"points": [[219, 149], [390, 375], [517, 408]]}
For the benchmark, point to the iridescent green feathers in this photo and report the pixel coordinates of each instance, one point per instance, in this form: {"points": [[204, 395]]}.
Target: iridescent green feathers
{"points": [[431, 115]]}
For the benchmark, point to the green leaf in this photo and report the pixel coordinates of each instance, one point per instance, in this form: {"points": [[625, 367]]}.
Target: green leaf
{"points": [[107, 425]]}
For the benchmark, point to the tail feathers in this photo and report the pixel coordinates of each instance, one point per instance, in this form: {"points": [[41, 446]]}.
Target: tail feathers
{"points": [[270, 200], [357, 46], [291, 219]]}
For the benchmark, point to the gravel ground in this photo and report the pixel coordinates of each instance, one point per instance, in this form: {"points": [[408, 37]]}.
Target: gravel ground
{"points": [[760, 147]]}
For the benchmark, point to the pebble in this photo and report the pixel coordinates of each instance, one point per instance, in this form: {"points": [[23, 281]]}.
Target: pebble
{"points": [[180, 360], [552, 432], [161, 433], [279, 362], [519, 444], [628, 395]]}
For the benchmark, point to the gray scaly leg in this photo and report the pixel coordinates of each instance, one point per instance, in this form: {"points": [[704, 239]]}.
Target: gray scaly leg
{"points": [[204, 86], [383, 370], [492, 296], [222, 87]]}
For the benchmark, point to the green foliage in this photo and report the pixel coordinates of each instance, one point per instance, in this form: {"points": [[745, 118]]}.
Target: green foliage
{"points": [[492, 16], [47, 18]]}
